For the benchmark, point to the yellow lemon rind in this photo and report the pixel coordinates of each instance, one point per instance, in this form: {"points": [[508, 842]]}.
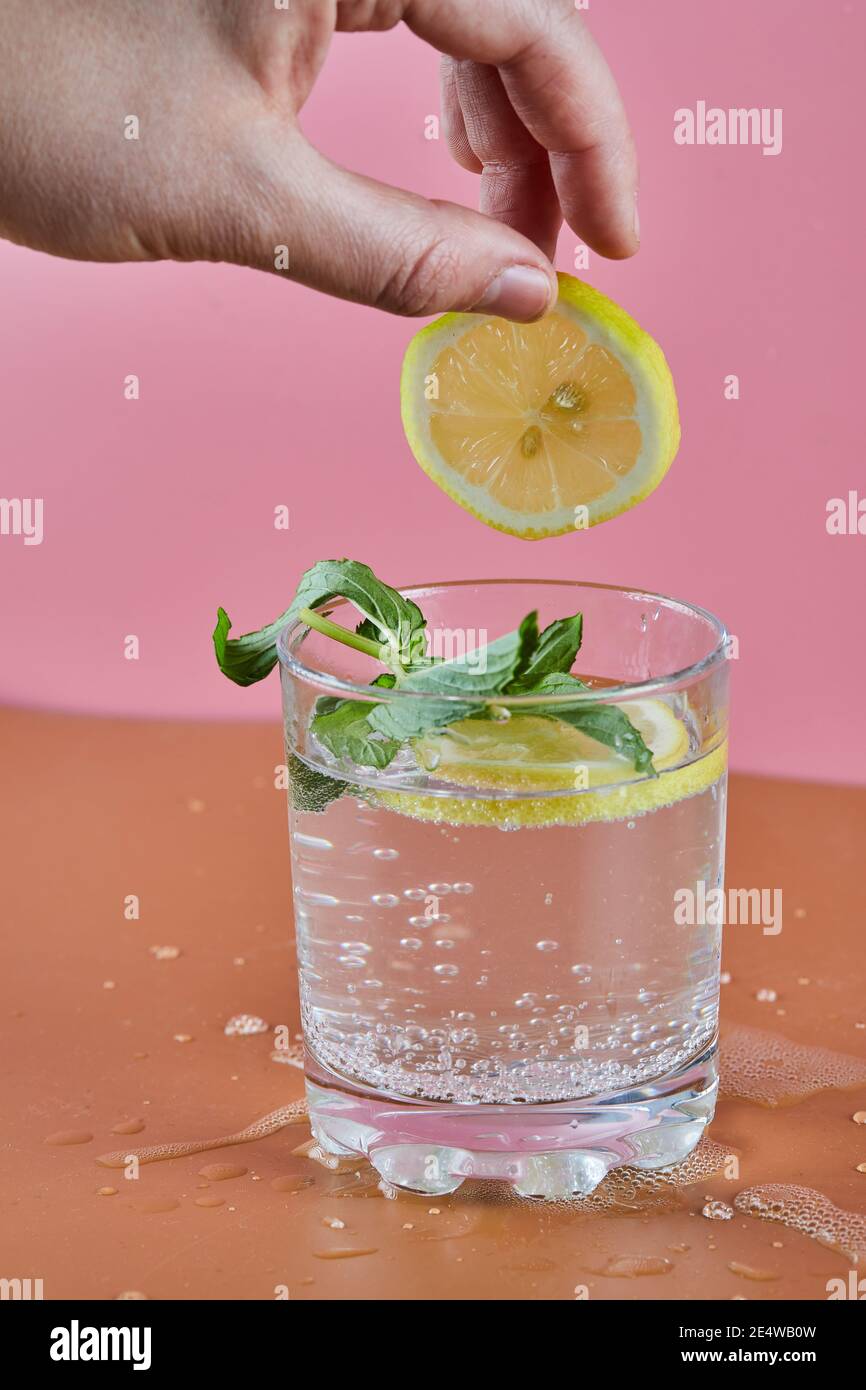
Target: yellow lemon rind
{"points": [[579, 808], [637, 348]]}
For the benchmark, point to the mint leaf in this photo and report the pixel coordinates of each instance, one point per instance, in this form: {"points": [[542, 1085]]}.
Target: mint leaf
{"points": [[608, 724], [554, 651], [396, 622], [348, 733], [482, 673], [310, 789]]}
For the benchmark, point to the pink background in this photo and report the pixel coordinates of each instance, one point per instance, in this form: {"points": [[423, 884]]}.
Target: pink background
{"points": [[158, 510]]}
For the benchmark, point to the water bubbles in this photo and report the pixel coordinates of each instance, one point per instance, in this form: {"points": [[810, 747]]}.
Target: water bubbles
{"points": [[311, 841], [548, 899], [385, 900], [767, 996], [356, 948], [415, 895], [463, 887], [547, 945], [585, 970], [446, 971], [244, 1025], [351, 962], [439, 889], [444, 943], [420, 921], [354, 919], [316, 899], [411, 943], [386, 854]]}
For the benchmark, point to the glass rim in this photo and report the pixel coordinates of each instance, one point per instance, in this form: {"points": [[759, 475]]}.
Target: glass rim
{"points": [[614, 694]]}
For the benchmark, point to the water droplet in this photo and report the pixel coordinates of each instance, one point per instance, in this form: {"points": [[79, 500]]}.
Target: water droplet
{"points": [[64, 1137], [766, 996], [859, 1117], [128, 1127], [244, 1025], [715, 1210], [222, 1172], [164, 952]]}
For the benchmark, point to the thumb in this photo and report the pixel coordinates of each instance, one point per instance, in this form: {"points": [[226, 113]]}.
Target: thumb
{"points": [[366, 241]]}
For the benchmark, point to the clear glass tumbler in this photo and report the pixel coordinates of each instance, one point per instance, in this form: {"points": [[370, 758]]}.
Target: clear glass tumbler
{"points": [[493, 981]]}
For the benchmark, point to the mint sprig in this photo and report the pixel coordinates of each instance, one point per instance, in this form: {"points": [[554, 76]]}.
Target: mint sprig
{"points": [[392, 630]]}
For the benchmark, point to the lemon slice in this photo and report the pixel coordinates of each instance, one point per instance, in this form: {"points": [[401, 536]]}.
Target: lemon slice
{"points": [[538, 429], [529, 754], [547, 754]]}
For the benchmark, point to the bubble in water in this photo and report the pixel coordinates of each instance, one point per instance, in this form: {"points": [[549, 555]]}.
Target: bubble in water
{"points": [[316, 899], [351, 962], [356, 948], [581, 970], [463, 887], [420, 921], [439, 889], [311, 841], [415, 895], [547, 945], [386, 854], [444, 943], [548, 899], [446, 970], [385, 899], [411, 943]]}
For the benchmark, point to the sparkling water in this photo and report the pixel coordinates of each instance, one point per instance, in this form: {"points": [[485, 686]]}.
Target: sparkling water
{"points": [[516, 1003]]}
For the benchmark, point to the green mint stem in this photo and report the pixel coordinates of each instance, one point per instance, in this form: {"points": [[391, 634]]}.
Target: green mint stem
{"points": [[341, 634]]}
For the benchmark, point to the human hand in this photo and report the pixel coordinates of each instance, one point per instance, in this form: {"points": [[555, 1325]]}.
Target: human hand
{"points": [[220, 170]]}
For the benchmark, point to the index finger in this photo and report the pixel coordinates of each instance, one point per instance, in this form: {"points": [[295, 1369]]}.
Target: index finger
{"points": [[564, 93]]}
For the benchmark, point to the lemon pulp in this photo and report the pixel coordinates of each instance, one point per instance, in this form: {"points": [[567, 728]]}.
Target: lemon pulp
{"points": [[541, 428]]}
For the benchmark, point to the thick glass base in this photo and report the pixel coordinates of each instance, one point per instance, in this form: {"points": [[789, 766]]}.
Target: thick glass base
{"points": [[552, 1151]]}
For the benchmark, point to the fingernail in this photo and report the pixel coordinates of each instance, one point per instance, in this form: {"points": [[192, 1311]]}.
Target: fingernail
{"points": [[520, 292], [636, 219]]}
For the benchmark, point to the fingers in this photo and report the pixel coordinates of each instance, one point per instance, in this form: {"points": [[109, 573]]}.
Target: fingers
{"points": [[516, 183], [452, 119], [562, 91], [374, 244]]}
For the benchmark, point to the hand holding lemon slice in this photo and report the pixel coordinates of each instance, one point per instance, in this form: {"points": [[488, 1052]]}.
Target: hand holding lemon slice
{"points": [[542, 428]]}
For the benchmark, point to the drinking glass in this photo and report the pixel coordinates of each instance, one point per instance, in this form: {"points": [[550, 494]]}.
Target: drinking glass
{"points": [[493, 980]]}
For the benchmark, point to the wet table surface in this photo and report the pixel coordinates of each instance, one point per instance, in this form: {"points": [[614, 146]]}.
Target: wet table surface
{"points": [[113, 1038]]}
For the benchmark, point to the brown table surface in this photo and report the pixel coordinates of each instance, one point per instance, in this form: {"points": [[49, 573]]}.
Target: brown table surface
{"points": [[186, 817]]}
